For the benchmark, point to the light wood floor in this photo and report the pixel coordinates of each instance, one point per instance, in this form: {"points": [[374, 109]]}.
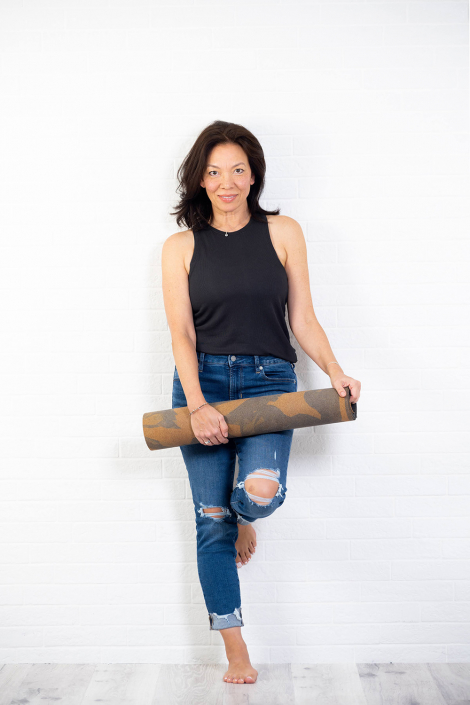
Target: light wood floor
{"points": [[278, 684]]}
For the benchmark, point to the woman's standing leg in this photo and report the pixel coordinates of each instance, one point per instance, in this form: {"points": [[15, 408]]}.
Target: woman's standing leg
{"points": [[211, 472], [261, 486]]}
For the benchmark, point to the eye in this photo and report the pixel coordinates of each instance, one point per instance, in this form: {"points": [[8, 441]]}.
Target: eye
{"points": [[213, 171]]}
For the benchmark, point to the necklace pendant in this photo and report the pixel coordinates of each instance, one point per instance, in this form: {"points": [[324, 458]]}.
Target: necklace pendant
{"points": [[226, 234]]}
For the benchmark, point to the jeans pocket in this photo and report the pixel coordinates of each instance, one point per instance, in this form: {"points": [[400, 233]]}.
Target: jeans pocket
{"points": [[279, 372]]}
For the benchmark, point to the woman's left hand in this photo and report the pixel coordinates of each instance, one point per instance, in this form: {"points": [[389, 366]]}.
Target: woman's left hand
{"points": [[341, 380]]}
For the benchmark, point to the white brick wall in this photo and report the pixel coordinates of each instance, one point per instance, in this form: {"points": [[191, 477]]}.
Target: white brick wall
{"points": [[362, 109]]}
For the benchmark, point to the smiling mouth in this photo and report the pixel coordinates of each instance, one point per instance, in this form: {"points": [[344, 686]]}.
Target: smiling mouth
{"points": [[228, 198]]}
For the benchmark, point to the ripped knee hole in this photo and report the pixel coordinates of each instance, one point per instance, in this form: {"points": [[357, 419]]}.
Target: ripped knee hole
{"points": [[260, 481]]}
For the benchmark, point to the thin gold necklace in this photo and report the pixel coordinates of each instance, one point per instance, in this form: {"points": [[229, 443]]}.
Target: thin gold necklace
{"points": [[235, 231]]}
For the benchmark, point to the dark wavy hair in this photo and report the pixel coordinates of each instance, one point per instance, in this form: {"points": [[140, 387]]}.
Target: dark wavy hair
{"points": [[195, 208]]}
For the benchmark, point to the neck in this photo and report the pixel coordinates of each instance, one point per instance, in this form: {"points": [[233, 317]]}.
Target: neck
{"points": [[229, 223]]}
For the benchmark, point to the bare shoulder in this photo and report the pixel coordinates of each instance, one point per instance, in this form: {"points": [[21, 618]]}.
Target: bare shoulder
{"points": [[285, 227], [287, 236], [177, 240], [178, 248]]}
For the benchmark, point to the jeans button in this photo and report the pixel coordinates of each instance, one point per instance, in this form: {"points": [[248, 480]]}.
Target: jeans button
{"points": [[233, 357]]}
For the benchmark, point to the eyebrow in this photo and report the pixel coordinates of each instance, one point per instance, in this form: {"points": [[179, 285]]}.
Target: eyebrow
{"points": [[218, 167]]}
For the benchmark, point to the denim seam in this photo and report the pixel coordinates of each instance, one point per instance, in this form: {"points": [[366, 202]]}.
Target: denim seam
{"points": [[277, 361], [276, 379]]}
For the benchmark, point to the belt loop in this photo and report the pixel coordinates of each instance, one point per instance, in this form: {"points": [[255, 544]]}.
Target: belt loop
{"points": [[256, 362], [201, 361]]}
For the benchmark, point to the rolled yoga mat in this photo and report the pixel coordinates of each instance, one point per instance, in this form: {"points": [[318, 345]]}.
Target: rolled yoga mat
{"points": [[249, 417]]}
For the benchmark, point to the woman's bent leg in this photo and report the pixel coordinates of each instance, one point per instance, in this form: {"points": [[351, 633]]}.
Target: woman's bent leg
{"points": [[263, 458], [261, 486]]}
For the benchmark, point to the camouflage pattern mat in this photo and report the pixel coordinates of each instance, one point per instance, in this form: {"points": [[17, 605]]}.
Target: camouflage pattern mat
{"points": [[249, 417]]}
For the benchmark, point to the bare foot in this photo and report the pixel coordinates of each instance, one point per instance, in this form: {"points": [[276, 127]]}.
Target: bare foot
{"points": [[240, 669], [245, 544]]}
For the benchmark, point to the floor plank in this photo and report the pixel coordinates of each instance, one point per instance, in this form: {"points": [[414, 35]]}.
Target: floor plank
{"points": [[191, 684], [399, 684], [53, 682], [123, 684], [204, 685], [11, 677], [453, 680], [327, 684]]}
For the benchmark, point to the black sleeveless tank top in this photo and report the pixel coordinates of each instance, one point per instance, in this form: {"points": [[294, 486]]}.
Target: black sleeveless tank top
{"points": [[238, 289]]}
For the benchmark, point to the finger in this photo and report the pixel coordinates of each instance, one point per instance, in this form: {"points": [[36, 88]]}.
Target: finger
{"points": [[208, 442], [340, 390], [354, 393], [223, 432], [220, 437]]}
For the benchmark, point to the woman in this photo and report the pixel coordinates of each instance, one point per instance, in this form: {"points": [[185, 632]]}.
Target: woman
{"points": [[226, 282]]}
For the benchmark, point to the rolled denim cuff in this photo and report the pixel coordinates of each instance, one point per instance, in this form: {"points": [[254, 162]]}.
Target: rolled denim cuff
{"points": [[224, 621]]}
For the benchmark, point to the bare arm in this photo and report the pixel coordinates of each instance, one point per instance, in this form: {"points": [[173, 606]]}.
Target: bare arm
{"points": [[180, 318], [208, 424], [302, 319]]}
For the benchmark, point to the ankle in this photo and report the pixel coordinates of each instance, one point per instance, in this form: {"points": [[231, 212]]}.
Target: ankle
{"points": [[235, 647], [233, 642], [238, 654]]}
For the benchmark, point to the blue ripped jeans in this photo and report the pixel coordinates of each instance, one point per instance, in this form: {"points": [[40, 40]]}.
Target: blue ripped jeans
{"points": [[211, 470]]}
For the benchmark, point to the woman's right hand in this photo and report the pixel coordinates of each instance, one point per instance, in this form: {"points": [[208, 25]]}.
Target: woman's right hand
{"points": [[209, 424]]}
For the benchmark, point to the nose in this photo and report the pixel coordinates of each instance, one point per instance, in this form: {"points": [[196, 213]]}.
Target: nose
{"points": [[227, 181]]}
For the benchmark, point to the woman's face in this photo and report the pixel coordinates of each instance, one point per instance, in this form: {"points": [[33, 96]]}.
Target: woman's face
{"points": [[228, 173]]}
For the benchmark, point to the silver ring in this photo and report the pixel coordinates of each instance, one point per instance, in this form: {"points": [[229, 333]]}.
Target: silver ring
{"points": [[207, 441]]}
